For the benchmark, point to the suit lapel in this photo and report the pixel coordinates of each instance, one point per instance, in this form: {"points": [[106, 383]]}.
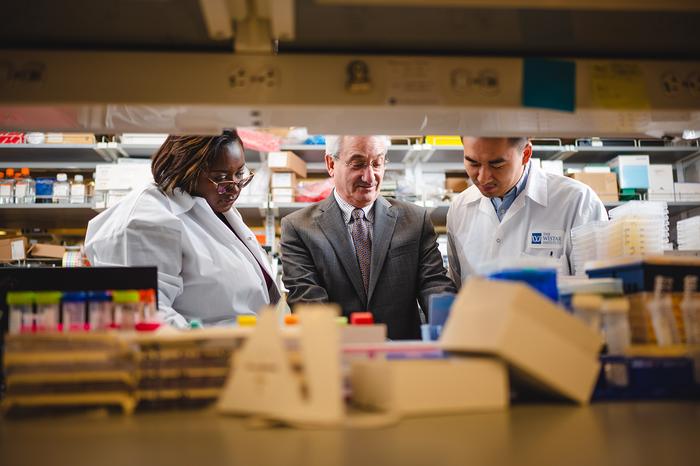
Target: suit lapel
{"points": [[330, 220], [384, 223]]}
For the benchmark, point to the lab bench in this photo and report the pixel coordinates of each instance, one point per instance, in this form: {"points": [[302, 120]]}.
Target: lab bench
{"points": [[526, 434]]}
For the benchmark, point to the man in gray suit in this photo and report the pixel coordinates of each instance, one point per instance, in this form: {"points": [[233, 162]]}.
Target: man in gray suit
{"points": [[360, 250]]}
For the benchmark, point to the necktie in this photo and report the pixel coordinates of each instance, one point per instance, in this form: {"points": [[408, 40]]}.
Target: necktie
{"points": [[363, 244]]}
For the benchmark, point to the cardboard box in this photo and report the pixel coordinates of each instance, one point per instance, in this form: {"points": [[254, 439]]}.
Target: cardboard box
{"points": [[456, 185], [286, 161], [70, 138], [47, 250], [661, 183], [424, 387], [604, 184], [687, 191], [283, 194], [283, 180], [13, 249], [546, 347], [632, 171], [555, 167]]}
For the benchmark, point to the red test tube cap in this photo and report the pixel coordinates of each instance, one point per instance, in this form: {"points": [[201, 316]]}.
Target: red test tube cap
{"points": [[361, 318]]}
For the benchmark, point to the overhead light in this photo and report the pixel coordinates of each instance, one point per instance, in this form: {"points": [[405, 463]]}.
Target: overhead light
{"points": [[690, 134]]}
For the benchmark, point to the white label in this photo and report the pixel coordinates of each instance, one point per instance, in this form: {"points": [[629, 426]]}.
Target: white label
{"points": [[546, 239], [282, 180], [20, 190], [5, 190], [77, 194], [60, 190], [17, 250], [277, 159]]}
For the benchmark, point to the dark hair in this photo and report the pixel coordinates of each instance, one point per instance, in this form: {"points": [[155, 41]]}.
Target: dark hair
{"points": [[513, 142], [181, 159]]}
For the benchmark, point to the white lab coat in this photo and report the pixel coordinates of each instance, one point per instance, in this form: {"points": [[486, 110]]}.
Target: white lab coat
{"points": [[538, 223], [204, 271]]}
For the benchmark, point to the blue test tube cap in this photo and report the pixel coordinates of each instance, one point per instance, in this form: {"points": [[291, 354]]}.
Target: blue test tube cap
{"points": [[101, 296], [74, 297]]}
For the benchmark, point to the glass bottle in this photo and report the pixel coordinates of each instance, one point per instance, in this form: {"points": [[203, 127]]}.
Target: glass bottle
{"points": [[61, 189], [25, 188], [7, 187], [77, 190]]}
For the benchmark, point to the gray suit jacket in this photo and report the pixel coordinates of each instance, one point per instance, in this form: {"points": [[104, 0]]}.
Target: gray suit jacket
{"points": [[319, 263]]}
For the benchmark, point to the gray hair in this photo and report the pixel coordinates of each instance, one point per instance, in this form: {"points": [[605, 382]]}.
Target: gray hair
{"points": [[334, 143]]}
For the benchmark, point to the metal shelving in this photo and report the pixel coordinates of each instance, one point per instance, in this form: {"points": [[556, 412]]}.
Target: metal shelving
{"points": [[412, 158], [46, 216]]}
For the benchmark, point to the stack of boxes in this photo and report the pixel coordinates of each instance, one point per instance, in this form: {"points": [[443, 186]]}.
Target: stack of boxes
{"points": [[285, 167]]}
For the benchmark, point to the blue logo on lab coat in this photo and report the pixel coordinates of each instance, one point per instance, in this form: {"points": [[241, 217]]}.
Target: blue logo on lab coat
{"points": [[536, 238]]}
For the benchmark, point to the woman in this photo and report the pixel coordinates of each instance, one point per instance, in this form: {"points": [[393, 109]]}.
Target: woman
{"points": [[210, 266]]}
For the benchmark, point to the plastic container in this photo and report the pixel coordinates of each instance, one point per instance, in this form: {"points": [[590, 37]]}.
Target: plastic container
{"points": [[74, 311], [77, 190], [127, 308], [149, 310], [25, 188], [21, 308], [61, 189], [616, 326], [587, 308], [543, 280], [690, 307], [44, 190], [7, 187], [100, 310], [48, 305], [639, 276], [661, 311]]}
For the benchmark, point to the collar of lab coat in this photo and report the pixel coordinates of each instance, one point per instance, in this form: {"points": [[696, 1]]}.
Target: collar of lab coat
{"points": [[181, 202], [535, 189]]}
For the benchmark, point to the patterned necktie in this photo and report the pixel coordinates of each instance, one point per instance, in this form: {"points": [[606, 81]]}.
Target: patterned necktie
{"points": [[363, 244]]}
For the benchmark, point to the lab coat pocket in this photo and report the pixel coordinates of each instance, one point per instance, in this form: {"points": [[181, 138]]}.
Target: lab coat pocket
{"points": [[547, 258]]}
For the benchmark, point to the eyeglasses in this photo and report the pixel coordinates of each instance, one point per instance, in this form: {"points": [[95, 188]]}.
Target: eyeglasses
{"points": [[227, 186], [361, 165]]}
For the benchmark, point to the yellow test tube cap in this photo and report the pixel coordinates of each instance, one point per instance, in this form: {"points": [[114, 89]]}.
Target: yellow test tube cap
{"points": [[341, 320], [246, 321]]}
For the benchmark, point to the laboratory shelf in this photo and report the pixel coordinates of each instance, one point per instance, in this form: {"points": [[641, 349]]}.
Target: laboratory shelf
{"points": [[23, 154], [662, 155], [45, 216]]}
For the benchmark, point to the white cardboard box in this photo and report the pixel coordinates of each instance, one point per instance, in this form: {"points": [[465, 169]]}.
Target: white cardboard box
{"points": [[687, 191], [546, 347], [283, 180], [632, 171], [555, 167], [661, 183], [421, 387]]}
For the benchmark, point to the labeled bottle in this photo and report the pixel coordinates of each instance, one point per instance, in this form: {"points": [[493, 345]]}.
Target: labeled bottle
{"points": [[100, 310], [48, 304], [25, 188], [61, 189], [74, 311], [7, 187], [77, 190], [21, 305], [127, 308], [44, 190]]}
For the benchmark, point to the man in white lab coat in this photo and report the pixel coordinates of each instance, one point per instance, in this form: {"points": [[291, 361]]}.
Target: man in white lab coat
{"points": [[514, 210]]}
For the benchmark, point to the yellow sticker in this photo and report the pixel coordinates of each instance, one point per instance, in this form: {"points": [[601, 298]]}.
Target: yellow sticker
{"points": [[619, 86]]}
